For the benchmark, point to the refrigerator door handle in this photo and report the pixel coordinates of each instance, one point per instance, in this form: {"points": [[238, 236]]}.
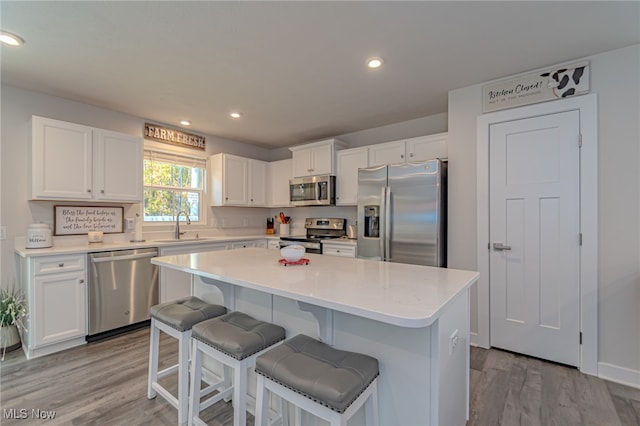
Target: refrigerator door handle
{"points": [[381, 224], [387, 224]]}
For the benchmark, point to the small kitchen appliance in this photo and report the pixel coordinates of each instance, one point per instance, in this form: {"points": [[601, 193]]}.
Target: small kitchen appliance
{"points": [[313, 191], [318, 229], [352, 231]]}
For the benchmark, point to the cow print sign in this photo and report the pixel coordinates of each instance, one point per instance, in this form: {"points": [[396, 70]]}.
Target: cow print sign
{"points": [[567, 82]]}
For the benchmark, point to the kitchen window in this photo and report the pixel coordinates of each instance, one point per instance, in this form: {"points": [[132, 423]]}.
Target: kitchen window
{"points": [[173, 183]]}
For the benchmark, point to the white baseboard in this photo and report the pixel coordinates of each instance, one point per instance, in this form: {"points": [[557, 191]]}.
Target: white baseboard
{"points": [[614, 373]]}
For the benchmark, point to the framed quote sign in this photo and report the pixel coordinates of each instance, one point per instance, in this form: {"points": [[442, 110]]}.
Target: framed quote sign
{"points": [[78, 220]]}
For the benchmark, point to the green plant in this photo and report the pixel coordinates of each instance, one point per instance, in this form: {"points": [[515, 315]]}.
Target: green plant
{"points": [[13, 307]]}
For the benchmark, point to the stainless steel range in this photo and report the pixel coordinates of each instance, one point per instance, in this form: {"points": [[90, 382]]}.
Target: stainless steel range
{"points": [[318, 229]]}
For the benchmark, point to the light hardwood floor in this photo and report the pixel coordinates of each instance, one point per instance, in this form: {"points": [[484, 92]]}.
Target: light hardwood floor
{"points": [[104, 383]]}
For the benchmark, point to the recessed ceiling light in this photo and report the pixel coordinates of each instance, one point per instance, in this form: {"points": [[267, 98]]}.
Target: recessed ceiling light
{"points": [[185, 122], [10, 39], [374, 63], [235, 114]]}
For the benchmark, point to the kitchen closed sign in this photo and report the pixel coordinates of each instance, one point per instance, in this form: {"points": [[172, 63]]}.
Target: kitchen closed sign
{"points": [[542, 86]]}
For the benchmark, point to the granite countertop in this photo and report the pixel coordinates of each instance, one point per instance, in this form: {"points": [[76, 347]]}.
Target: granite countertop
{"points": [[394, 293]]}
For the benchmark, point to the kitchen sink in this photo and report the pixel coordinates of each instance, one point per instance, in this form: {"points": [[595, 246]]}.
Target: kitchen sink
{"points": [[173, 240]]}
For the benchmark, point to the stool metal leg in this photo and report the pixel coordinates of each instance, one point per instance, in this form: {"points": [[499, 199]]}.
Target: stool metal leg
{"points": [[154, 348]]}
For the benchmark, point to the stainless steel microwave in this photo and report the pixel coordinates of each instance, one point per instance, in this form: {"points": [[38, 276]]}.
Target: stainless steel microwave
{"points": [[313, 191]]}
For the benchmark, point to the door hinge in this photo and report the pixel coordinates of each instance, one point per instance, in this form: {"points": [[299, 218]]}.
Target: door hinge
{"points": [[580, 239], [581, 337], [580, 140]]}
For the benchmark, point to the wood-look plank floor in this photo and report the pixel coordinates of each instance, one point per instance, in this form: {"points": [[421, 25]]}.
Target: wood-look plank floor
{"points": [[104, 383]]}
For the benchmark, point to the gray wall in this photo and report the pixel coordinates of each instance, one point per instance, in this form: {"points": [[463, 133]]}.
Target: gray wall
{"points": [[615, 77]]}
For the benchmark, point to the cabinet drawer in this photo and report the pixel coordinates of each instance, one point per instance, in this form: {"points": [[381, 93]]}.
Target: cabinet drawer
{"points": [[55, 264], [339, 250]]}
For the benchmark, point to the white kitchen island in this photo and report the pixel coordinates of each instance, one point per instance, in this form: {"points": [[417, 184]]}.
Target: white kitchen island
{"points": [[414, 319]]}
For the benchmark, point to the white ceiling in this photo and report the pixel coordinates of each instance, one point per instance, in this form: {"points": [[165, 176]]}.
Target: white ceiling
{"points": [[295, 69]]}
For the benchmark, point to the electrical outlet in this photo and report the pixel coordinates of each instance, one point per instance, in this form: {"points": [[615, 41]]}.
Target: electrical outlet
{"points": [[3, 233], [453, 341]]}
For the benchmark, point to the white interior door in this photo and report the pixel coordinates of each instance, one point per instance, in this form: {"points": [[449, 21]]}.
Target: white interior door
{"points": [[534, 203]]}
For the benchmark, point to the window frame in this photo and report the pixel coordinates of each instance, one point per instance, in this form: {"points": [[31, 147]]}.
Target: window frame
{"points": [[161, 154]]}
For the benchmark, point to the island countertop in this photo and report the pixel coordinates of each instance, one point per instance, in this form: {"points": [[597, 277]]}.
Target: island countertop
{"points": [[398, 294]]}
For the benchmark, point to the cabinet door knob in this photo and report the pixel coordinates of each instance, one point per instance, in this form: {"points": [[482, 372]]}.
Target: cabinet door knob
{"points": [[81, 281], [102, 191], [60, 265], [411, 155], [226, 198], [88, 190], [401, 155]]}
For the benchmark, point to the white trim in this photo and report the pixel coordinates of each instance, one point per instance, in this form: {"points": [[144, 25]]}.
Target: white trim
{"points": [[614, 373], [587, 105]]}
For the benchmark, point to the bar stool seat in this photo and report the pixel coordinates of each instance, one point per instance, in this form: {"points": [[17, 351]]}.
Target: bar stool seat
{"points": [[176, 319], [329, 383], [234, 339]]}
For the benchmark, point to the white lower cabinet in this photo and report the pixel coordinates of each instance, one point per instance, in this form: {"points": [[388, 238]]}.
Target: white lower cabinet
{"points": [[342, 250], [57, 299], [250, 243], [273, 244]]}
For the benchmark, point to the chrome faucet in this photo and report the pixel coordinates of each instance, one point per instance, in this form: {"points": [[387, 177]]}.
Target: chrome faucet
{"points": [[178, 233]]}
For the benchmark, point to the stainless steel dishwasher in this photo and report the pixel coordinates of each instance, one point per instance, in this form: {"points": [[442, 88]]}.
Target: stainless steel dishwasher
{"points": [[123, 285]]}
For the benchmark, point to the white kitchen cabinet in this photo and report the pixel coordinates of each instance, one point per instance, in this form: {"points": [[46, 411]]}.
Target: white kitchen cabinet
{"points": [[273, 244], [238, 181], [56, 292], [317, 158], [341, 250], [426, 147], [248, 243], [387, 153], [74, 162], [348, 162], [176, 284], [279, 174], [408, 150]]}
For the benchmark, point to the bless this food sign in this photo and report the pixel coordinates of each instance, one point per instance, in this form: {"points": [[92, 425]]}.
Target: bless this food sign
{"points": [[537, 87]]}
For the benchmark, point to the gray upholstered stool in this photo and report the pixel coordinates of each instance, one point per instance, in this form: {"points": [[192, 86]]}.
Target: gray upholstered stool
{"points": [[234, 339], [327, 382], [176, 319]]}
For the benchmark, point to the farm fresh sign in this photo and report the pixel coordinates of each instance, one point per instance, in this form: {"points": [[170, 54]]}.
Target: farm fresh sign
{"points": [[173, 136], [537, 87]]}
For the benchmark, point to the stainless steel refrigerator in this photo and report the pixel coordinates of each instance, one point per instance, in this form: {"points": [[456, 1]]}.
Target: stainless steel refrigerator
{"points": [[402, 213]]}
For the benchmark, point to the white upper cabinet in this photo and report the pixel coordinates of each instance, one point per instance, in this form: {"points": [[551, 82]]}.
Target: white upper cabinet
{"points": [[118, 167], [316, 158], [279, 174], [74, 162], [409, 150], [238, 181], [258, 183], [426, 147], [348, 162], [387, 153]]}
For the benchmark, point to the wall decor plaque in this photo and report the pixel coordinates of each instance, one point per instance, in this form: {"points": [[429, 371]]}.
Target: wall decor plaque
{"points": [[555, 83], [173, 136], [78, 220]]}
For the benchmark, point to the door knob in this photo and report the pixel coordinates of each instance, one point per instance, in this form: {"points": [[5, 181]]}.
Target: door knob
{"points": [[500, 247]]}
